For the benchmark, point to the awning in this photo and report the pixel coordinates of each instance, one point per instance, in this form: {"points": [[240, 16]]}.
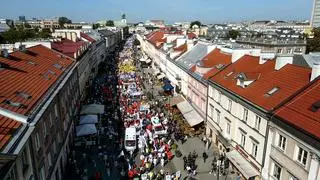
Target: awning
{"points": [[246, 169], [148, 61], [157, 71], [189, 113], [176, 99], [86, 129], [161, 76], [92, 109], [88, 119]]}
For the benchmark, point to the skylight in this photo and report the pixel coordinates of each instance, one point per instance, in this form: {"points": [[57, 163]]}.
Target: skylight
{"points": [[272, 91], [229, 74], [32, 63], [51, 72], [23, 94], [15, 104], [58, 66], [219, 66], [315, 106]]}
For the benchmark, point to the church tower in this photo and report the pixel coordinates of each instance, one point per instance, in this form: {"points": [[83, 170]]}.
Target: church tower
{"points": [[124, 19]]}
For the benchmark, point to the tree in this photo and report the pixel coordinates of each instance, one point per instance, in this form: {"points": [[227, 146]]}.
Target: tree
{"points": [[44, 33], [233, 34], [109, 23], [95, 26], [63, 20], [198, 23], [313, 44], [26, 25]]}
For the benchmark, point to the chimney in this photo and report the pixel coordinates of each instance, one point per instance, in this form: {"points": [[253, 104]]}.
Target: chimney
{"points": [[210, 48], [283, 60], [264, 56], [22, 48], [190, 44], [315, 69], [74, 37]]}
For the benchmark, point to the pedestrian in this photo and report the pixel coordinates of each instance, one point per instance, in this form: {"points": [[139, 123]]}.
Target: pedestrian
{"points": [[162, 162], [205, 156]]}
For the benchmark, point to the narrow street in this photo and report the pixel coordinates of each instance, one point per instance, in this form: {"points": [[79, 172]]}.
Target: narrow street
{"points": [[133, 98]]}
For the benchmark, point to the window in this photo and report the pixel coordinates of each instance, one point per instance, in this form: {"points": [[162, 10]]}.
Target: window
{"points": [[276, 171], [282, 142], [229, 105], [219, 97], [289, 51], [49, 159], [25, 161], [254, 149], [37, 141], [42, 174], [257, 123], [212, 111], [279, 51], [218, 116], [302, 156], [245, 114], [45, 132], [243, 140], [56, 110], [228, 128]]}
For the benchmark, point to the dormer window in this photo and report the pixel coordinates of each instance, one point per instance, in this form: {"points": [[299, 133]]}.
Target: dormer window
{"points": [[58, 66], [272, 91], [315, 106], [219, 66], [51, 72]]}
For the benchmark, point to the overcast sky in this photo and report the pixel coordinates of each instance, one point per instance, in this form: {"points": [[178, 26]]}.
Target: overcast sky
{"points": [[207, 11]]}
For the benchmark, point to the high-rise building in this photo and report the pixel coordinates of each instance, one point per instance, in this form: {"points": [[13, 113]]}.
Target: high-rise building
{"points": [[315, 21]]}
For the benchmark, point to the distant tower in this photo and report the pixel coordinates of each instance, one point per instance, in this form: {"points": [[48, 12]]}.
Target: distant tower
{"points": [[315, 20], [124, 19]]}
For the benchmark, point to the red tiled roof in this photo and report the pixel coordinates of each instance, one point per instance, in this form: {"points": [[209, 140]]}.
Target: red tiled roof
{"points": [[67, 47], [289, 79], [87, 37], [191, 35], [156, 38], [297, 112], [8, 127], [215, 57], [25, 72]]}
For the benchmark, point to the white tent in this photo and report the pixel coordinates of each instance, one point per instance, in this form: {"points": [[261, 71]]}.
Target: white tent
{"points": [[86, 129], [88, 119], [92, 109]]}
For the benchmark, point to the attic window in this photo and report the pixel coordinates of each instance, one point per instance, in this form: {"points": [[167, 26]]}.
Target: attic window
{"points": [[15, 104], [45, 76], [23, 94], [219, 66], [315, 106], [58, 66], [32, 63], [272, 91]]}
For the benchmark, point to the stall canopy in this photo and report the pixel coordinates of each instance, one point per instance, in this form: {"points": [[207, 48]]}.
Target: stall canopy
{"points": [[86, 129], [142, 59], [92, 109], [157, 71], [88, 119], [189, 113], [168, 87], [160, 76], [148, 61], [246, 169]]}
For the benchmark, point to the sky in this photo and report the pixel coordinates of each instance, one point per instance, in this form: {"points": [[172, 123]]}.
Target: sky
{"points": [[207, 11]]}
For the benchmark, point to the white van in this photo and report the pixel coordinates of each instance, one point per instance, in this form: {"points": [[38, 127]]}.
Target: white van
{"points": [[130, 140]]}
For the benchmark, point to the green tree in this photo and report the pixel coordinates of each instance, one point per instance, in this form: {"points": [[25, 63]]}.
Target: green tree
{"points": [[95, 26], [109, 23], [44, 33], [195, 23], [313, 44], [27, 25], [233, 34], [63, 20]]}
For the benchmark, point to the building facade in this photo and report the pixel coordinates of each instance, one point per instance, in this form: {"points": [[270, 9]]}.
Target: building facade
{"points": [[315, 20]]}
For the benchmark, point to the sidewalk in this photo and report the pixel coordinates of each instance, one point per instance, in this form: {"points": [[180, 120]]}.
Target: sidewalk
{"points": [[203, 168]]}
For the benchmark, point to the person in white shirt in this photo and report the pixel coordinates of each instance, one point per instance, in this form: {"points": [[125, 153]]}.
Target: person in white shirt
{"points": [[162, 162]]}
